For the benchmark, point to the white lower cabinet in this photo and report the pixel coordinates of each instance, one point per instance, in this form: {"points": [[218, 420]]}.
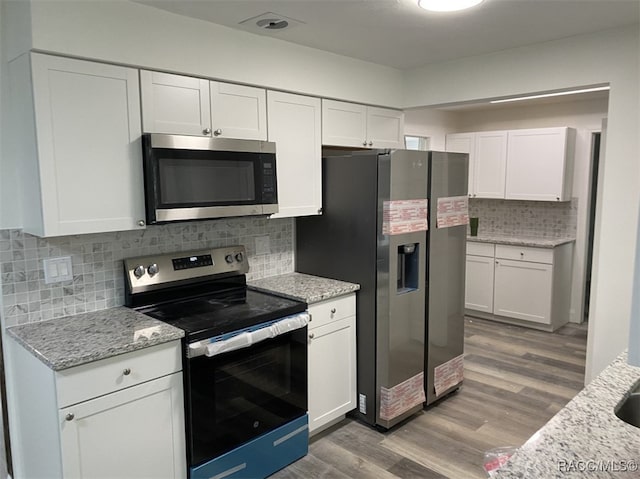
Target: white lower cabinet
{"points": [[525, 285], [332, 361], [117, 417], [523, 290]]}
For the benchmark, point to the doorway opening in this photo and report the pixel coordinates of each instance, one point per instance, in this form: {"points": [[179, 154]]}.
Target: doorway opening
{"points": [[593, 195]]}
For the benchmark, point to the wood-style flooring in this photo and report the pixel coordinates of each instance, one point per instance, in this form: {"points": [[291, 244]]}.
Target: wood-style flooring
{"points": [[516, 379]]}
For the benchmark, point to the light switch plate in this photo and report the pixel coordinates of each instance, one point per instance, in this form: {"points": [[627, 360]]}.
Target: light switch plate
{"points": [[263, 244], [57, 270]]}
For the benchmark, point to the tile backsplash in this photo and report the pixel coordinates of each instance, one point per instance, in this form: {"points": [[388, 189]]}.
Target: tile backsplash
{"points": [[541, 219], [98, 277]]}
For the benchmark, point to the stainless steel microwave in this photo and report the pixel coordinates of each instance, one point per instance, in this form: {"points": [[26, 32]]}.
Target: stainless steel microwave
{"points": [[196, 178]]}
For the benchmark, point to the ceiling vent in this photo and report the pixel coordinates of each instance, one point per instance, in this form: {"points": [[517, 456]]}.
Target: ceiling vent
{"points": [[270, 21]]}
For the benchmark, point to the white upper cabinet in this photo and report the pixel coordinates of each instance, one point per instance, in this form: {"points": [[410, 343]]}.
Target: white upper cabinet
{"points": [[184, 105], [295, 127], [534, 164], [540, 164], [464, 143], [385, 128], [83, 174], [490, 164], [238, 111], [360, 126], [175, 104], [487, 161]]}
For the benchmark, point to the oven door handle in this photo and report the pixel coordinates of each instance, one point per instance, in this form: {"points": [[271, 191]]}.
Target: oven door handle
{"points": [[214, 347]]}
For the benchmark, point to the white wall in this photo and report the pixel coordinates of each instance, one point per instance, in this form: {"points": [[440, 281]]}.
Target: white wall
{"points": [[124, 32], [607, 57], [432, 123]]}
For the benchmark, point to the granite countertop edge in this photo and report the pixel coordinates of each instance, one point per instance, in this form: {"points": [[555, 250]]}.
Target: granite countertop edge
{"points": [[303, 287], [585, 430], [516, 240], [71, 341]]}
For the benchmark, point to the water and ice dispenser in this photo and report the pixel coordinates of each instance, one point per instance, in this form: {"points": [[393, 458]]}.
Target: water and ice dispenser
{"points": [[408, 267]]}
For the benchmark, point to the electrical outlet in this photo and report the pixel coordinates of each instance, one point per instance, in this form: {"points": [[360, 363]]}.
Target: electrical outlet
{"points": [[57, 270], [263, 245]]}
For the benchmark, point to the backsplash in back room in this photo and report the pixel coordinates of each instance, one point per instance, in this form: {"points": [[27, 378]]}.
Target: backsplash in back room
{"points": [[542, 219], [98, 277]]}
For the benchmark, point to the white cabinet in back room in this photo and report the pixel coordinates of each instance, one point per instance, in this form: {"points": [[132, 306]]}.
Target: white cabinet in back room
{"points": [[81, 152], [540, 164], [295, 127], [529, 286], [332, 361], [360, 126], [184, 105], [487, 161], [479, 277]]}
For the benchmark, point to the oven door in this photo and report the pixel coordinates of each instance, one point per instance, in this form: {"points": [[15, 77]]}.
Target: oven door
{"points": [[190, 178], [235, 396]]}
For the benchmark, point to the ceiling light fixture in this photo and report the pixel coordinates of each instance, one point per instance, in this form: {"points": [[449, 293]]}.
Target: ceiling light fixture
{"points": [[447, 5], [547, 95]]}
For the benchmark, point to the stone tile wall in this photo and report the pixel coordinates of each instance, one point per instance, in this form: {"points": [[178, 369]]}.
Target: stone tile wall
{"points": [[525, 218], [98, 276]]}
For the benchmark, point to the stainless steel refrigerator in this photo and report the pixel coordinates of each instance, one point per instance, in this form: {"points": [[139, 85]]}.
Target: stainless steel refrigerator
{"points": [[378, 229]]}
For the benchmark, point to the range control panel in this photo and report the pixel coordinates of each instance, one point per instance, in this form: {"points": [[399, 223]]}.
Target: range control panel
{"points": [[148, 272]]}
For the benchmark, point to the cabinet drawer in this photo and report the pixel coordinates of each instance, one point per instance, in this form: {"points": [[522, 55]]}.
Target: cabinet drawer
{"points": [[524, 253], [119, 372], [331, 310], [480, 249]]}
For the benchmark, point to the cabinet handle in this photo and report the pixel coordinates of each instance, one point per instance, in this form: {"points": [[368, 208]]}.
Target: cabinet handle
{"points": [[217, 132], [557, 198], [69, 417], [311, 335], [206, 131], [371, 143], [333, 311], [364, 143], [141, 223], [497, 262], [521, 254], [126, 371]]}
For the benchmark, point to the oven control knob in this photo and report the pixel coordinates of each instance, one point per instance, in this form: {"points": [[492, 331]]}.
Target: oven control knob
{"points": [[138, 271], [152, 269], [229, 258], [239, 257]]}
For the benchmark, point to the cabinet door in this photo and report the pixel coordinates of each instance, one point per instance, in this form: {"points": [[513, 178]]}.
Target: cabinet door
{"points": [[332, 371], [175, 104], [344, 124], [523, 290], [89, 150], [385, 128], [238, 111], [538, 165], [479, 284], [490, 164], [137, 432], [295, 127], [465, 143]]}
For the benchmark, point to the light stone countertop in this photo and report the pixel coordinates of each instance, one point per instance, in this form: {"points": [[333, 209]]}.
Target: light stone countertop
{"points": [[521, 240], [74, 340], [583, 434], [303, 287]]}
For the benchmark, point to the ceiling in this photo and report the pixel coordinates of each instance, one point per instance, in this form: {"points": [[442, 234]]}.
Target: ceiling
{"points": [[399, 34]]}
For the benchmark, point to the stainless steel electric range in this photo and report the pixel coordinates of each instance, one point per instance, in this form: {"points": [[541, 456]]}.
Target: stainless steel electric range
{"points": [[244, 360]]}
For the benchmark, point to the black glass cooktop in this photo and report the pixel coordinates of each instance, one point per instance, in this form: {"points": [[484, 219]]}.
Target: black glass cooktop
{"points": [[214, 314]]}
